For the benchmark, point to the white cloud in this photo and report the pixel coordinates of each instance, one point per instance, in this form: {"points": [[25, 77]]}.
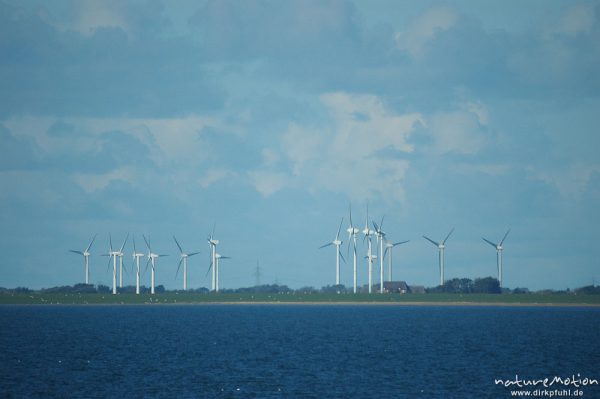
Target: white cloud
{"points": [[300, 145], [212, 176], [424, 29], [571, 181], [457, 132], [267, 182], [94, 182], [577, 20], [345, 156], [92, 14]]}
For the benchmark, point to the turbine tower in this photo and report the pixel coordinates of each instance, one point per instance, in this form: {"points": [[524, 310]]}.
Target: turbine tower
{"points": [[218, 257], [380, 238], [370, 257], [136, 257], [86, 258], [499, 249], [352, 233], [441, 246], [151, 259], [120, 255], [212, 242], [337, 242], [113, 254], [184, 258], [390, 247]]}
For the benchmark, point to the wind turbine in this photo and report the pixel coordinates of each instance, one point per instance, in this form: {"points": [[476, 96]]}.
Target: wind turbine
{"points": [[368, 233], [337, 242], [380, 238], [136, 257], [499, 249], [151, 258], [390, 247], [441, 246], [113, 254], [212, 242], [352, 232], [120, 255], [86, 258], [184, 258], [218, 257]]}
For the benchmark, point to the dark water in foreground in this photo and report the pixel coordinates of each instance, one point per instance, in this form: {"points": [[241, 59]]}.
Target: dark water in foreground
{"points": [[262, 351]]}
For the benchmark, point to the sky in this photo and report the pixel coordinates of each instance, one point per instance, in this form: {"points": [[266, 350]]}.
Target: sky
{"points": [[269, 119]]}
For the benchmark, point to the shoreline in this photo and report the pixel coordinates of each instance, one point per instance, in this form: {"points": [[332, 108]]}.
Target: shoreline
{"points": [[325, 303]]}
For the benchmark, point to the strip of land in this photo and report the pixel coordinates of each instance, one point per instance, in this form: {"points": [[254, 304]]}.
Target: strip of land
{"points": [[302, 299]]}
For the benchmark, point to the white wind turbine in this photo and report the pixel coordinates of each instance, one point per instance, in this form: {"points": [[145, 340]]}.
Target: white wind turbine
{"points": [[86, 258], [499, 249], [114, 254], [136, 256], [337, 242], [380, 239], [441, 246], [151, 259], [184, 258], [352, 233], [218, 258], [390, 247], [370, 257], [120, 255], [212, 242]]}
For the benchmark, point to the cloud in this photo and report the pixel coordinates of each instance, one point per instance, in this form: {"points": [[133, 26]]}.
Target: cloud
{"points": [[457, 132], [211, 176], [94, 182], [267, 182], [578, 19], [344, 155], [424, 29]]}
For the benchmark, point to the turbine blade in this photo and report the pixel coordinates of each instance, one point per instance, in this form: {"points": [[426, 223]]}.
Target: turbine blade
{"points": [[381, 224], [431, 241], [213, 230], [147, 243], [163, 255], [178, 266], [326, 245], [108, 266], [208, 271], [400, 243], [193, 253], [376, 227], [91, 242], [342, 256], [225, 257], [134, 250], [451, 231], [178, 246], [146, 268], [123, 246], [110, 241], [385, 252], [339, 228], [504, 238], [76, 252], [489, 242], [351, 224]]}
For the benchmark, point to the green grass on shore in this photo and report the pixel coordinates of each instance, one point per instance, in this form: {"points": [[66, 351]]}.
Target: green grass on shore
{"points": [[195, 298]]}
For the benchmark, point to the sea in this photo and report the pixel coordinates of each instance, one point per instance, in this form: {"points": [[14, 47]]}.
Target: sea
{"points": [[297, 351]]}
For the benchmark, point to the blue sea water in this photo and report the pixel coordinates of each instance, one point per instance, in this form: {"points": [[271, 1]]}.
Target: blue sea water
{"points": [[295, 351]]}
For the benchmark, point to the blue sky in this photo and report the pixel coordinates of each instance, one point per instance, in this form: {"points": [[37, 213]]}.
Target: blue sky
{"points": [[269, 118]]}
